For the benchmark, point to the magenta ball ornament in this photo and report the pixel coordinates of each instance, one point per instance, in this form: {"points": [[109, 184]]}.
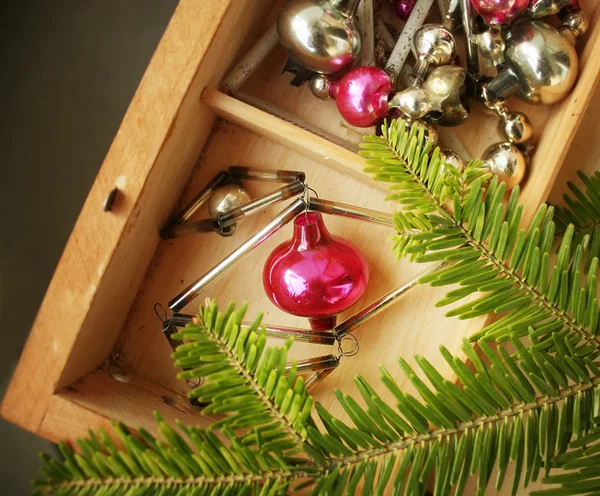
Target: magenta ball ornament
{"points": [[362, 95], [404, 8], [314, 274]]}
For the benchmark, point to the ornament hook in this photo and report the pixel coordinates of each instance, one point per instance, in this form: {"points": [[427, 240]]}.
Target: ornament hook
{"points": [[343, 350]]}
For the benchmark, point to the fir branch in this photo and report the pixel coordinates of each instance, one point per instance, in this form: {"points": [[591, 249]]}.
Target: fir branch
{"points": [[583, 211], [254, 388], [471, 228], [508, 412], [171, 466]]}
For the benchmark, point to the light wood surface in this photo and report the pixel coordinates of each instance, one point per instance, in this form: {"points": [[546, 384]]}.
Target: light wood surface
{"points": [[115, 268], [108, 253]]}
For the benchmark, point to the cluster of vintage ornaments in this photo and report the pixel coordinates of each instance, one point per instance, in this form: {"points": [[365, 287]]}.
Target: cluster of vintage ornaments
{"points": [[536, 62]]}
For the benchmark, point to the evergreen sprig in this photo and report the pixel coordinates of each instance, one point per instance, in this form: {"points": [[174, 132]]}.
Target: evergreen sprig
{"points": [[582, 210], [463, 221], [530, 399]]}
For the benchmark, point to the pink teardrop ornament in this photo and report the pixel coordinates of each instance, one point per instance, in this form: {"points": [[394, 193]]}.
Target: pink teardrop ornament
{"points": [[315, 274], [362, 95], [499, 11]]}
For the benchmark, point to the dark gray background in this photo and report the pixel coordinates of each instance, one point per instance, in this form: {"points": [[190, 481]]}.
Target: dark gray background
{"points": [[69, 69]]}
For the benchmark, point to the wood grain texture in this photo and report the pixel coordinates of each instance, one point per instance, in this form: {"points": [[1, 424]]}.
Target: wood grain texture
{"points": [[108, 253]]}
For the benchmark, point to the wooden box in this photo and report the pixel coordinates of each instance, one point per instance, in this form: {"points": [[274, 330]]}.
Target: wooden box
{"points": [[94, 353]]}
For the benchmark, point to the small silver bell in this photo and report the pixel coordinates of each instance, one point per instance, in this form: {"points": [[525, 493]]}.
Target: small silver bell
{"points": [[321, 35], [507, 162], [433, 45], [540, 65], [546, 8], [491, 45], [225, 198], [438, 100]]}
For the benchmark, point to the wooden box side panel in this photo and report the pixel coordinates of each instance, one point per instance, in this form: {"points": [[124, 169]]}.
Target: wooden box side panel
{"points": [[107, 254]]}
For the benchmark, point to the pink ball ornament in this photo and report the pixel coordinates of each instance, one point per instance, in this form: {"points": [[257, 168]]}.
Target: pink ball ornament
{"points": [[404, 8], [362, 95], [315, 274], [499, 11]]}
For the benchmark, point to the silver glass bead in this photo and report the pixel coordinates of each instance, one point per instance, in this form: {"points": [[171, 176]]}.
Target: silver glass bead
{"points": [[225, 198], [577, 22], [507, 162], [516, 126], [319, 86], [430, 132], [321, 35], [452, 159]]}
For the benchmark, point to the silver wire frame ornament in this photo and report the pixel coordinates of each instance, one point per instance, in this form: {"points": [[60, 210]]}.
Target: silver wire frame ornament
{"points": [[225, 222]]}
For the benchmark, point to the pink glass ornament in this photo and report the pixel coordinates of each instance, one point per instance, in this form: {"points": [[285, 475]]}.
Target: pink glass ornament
{"points": [[404, 8], [315, 274], [499, 11], [362, 95]]}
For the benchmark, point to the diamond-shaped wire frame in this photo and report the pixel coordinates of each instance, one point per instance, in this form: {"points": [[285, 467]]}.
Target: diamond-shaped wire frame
{"points": [[340, 334]]}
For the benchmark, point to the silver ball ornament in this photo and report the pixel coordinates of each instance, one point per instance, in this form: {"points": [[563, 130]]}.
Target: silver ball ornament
{"points": [[319, 86], [507, 162], [517, 127], [225, 198], [321, 35], [541, 65]]}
